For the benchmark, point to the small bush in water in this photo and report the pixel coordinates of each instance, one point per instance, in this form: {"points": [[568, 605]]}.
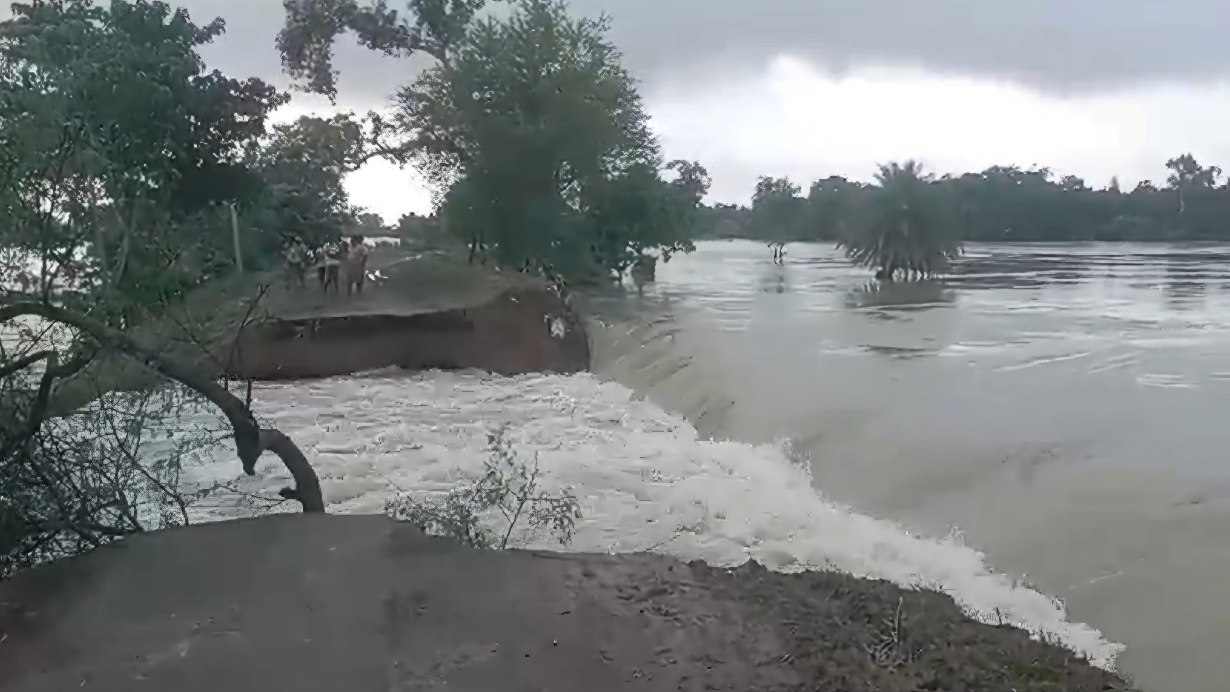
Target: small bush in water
{"points": [[507, 489]]}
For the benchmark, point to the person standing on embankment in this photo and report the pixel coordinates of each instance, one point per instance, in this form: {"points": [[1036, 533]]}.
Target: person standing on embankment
{"points": [[329, 260]]}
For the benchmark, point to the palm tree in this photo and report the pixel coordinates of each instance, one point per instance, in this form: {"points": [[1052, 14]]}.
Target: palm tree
{"points": [[907, 231]]}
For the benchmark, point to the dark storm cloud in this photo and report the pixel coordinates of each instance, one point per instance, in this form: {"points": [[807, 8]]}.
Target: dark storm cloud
{"points": [[1055, 45]]}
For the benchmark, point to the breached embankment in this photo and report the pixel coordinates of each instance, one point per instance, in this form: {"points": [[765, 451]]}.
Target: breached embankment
{"points": [[332, 603], [416, 312], [515, 331], [825, 630]]}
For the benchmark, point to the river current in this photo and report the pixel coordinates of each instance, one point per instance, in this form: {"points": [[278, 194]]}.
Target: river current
{"points": [[1041, 435]]}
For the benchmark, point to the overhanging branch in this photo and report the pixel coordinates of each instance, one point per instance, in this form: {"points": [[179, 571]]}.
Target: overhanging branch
{"points": [[250, 440]]}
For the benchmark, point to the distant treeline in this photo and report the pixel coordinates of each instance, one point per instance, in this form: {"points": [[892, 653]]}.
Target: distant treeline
{"points": [[998, 204]]}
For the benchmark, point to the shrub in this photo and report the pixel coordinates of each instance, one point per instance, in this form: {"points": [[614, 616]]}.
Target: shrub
{"points": [[508, 489]]}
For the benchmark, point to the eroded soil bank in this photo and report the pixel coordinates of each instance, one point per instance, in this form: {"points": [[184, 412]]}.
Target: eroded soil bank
{"points": [[516, 331], [363, 603], [416, 312]]}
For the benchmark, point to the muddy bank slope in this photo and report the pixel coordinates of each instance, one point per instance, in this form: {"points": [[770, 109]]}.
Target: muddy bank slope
{"points": [[363, 603], [416, 312]]}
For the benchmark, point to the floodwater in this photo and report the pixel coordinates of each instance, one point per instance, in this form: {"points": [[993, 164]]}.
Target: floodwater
{"points": [[1039, 436], [1063, 407]]}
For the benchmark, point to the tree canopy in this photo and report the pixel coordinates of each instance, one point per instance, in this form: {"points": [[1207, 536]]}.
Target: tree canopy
{"points": [[1001, 203], [304, 165], [118, 152], [527, 125], [116, 143], [907, 232]]}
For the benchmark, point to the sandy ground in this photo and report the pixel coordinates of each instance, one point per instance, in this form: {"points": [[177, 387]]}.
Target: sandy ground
{"points": [[363, 603]]}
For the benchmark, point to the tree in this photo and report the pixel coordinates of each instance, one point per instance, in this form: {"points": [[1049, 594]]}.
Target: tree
{"points": [[1073, 183], [436, 28], [1001, 203], [832, 205], [1187, 174], [46, 511], [1144, 187], [304, 164], [116, 145], [908, 232], [636, 212], [117, 148], [527, 124], [778, 210]]}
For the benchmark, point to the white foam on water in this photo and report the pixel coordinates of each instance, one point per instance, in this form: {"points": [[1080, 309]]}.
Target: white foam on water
{"points": [[644, 478]]}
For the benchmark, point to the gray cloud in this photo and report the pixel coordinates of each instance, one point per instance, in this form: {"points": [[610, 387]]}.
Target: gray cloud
{"points": [[1054, 45], [1097, 66], [1057, 46]]}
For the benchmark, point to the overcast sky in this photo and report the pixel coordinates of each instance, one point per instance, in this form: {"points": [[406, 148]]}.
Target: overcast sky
{"points": [[810, 88]]}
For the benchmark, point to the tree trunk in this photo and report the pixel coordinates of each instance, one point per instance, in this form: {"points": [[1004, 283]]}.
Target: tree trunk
{"points": [[235, 239]]}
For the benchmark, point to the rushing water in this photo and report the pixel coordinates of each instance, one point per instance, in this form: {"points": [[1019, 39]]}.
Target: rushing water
{"points": [[1063, 406], [1054, 407]]}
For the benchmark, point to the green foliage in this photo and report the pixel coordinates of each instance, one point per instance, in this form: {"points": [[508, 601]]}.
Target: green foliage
{"points": [[832, 204], [636, 211], [1188, 175], [304, 164], [424, 233], [778, 209], [527, 124], [118, 153], [116, 145], [907, 230], [545, 131], [1001, 203], [306, 42], [507, 492]]}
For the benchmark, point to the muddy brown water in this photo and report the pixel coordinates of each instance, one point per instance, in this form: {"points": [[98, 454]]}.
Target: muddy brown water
{"points": [[1064, 407]]}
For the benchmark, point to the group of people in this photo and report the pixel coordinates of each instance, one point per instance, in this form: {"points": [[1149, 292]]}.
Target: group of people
{"points": [[333, 262]]}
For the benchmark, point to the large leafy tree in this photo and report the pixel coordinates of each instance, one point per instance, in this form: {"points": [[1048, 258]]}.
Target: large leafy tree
{"points": [[116, 148], [304, 166], [527, 121], [779, 211], [832, 204], [636, 211], [113, 135], [907, 232]]}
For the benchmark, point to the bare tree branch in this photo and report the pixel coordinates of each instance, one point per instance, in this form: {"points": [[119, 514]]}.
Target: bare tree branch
{"points": [[250, 440], [23, 363]]}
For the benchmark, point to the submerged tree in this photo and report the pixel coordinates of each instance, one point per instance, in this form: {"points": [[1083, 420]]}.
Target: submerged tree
{"points": [[779, 210], [907, 231]]}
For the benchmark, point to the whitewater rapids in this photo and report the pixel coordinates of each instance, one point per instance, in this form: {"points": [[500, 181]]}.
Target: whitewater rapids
{"points": [[644, 478]]}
